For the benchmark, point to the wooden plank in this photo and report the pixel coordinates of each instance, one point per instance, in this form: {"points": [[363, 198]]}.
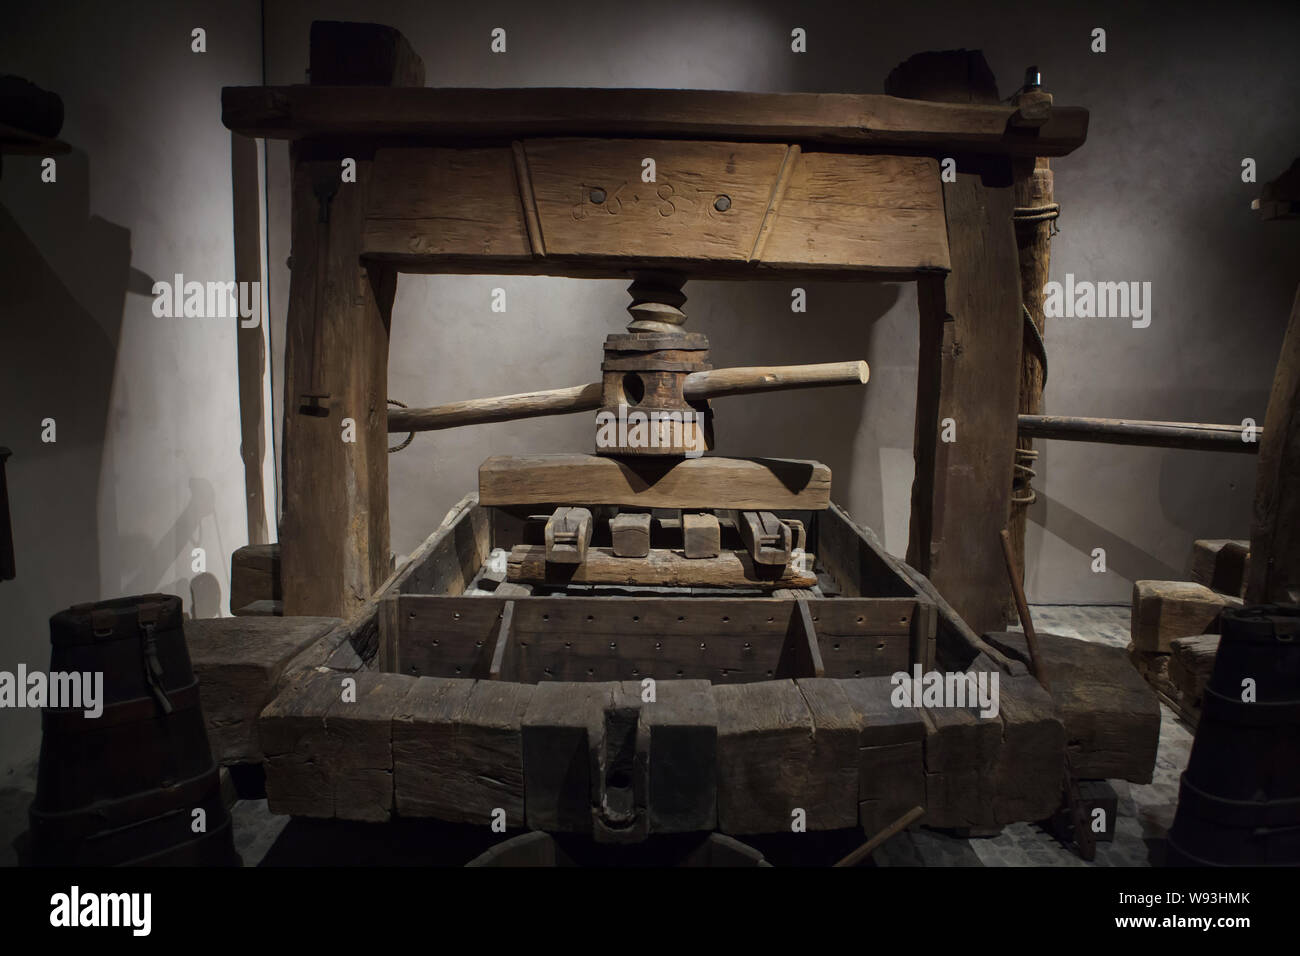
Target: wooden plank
{"points": [[562, 730], [853, 208], [1164, 610], [695, 483], [238, 662], [831, 796], [292, 733], [678, 733], [505, 114], [505, 655], [803, 647], [701, 536], [630, 534], [731, 569], [1275, 522], [568, 535], [447, 636], [768, 539], [424, 735], [358, 746], [765, 756], [882, 724]]}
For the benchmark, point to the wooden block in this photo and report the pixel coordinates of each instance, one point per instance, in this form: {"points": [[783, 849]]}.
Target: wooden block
{"points": [[881, 722], [768, 539], [358, 748], [891, 780], [239, 662], [1191, 662], [678, 734], [961, 752], [765, 755], [630, 533], [562, 731], [568, 534], [1221, 564], [731, 569], [695, 483], [1164, 610], [424, 738], [1111, 716], [831, 794], [1030, 766], [254, 575], [292, 734], [701, 536]]}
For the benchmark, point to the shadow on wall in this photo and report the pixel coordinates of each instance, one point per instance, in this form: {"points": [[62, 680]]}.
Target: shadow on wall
{"points": [[62, 320]]}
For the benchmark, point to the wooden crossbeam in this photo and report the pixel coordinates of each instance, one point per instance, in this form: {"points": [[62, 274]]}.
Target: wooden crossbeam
{"points": [[661, 567]]}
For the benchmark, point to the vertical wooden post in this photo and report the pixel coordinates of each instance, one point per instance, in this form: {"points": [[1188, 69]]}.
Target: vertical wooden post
{"points": [[334, 528], [1033, 190], [968, 381]]}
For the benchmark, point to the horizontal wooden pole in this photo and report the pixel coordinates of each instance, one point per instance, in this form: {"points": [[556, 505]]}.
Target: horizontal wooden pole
{"points": [[660, 568], [449, 114], [762, 484], [1123, 431], [585, 398]]}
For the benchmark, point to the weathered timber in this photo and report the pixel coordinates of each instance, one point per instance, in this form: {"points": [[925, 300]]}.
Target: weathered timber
{"points": [[830, 798], [291, 730], [831, 118], [1275, 522], [803, 647], [695, 483], [1094, 796], [1030, 763], [961, 757], [678, 742], [768, 539], [969, 369], [1112, 718], [1221, 565], [766, 756], [698, 386], [562, 729], [731, 569], [458, 750], [238, 662], [568, 535], [630, 534], [358, 745], [505, 654], [701, 536], [254, 575], [1122, 431], [1191, 661], [1164, 610]]}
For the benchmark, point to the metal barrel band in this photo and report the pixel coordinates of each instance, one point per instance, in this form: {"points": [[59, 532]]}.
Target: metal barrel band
{"points": [[1258, 714], [1241, 813], [114, 814], [123, 712]]}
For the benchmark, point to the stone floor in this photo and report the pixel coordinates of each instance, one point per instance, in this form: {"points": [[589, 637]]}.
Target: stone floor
{"points": [[1145, 811]]}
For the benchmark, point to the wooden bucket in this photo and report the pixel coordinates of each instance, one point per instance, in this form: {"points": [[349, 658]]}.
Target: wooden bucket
{"points": [[1239, 800], [123, 787]]}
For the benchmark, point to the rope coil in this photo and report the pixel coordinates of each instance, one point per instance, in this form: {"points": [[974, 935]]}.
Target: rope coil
{"points": [[410, 437]]}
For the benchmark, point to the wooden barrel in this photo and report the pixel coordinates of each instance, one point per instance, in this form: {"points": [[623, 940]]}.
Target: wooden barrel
{"points": [[1239, 800], [124, 787]]}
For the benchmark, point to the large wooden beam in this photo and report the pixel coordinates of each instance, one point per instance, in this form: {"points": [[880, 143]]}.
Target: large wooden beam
{"points": [[850, 119], [765, 484], [250, 343], [968, 381], [579, 207]]}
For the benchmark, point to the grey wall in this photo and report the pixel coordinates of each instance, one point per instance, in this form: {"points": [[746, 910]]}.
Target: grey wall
{"points": [[1155, 195], [146, 464]]}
